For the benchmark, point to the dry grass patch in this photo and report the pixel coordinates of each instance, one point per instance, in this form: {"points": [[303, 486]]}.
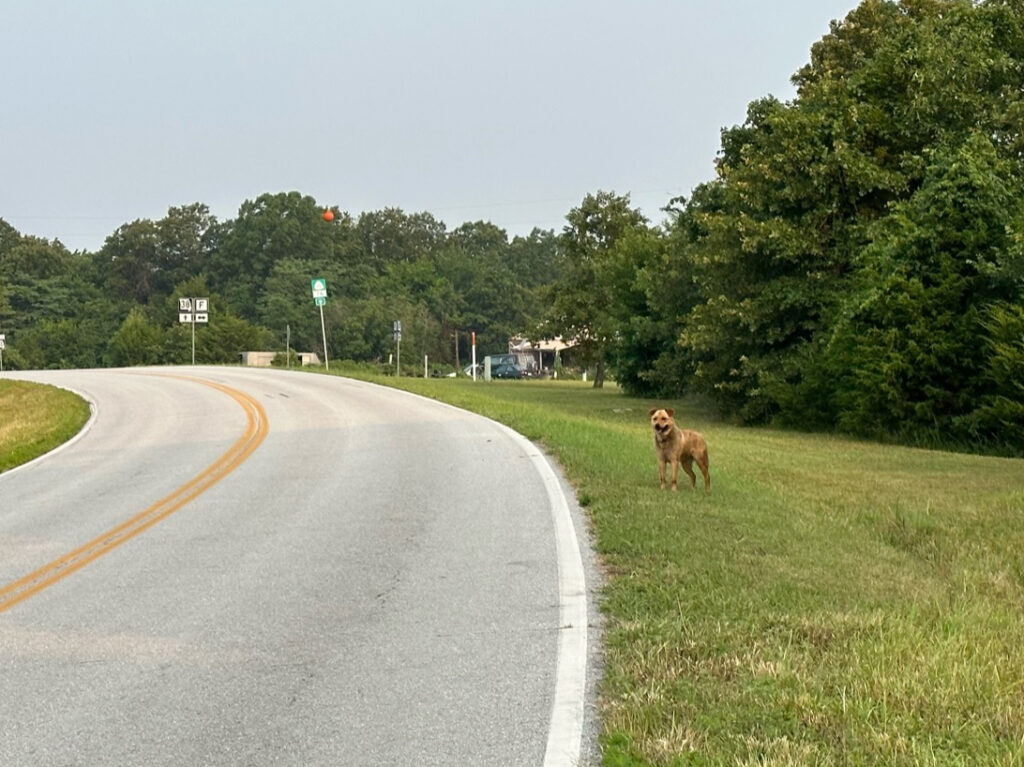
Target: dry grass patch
{"points": [[35, 419]]}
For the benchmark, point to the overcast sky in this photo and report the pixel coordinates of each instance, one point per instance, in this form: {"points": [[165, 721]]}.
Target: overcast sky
{"points": [[508, 111]]}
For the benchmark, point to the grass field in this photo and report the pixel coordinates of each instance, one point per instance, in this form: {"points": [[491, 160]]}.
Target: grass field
{"points": [[832, 602], [35, 419]]}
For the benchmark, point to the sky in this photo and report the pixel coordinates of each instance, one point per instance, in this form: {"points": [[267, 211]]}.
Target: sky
{"points": [[508, 111]]}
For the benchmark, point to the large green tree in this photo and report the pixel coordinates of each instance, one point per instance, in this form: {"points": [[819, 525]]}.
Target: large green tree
{"points": [[587, 299], [268, 230]]}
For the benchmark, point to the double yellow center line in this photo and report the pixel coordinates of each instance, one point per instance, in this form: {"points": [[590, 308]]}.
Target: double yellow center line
{"points": [[256, 430]]}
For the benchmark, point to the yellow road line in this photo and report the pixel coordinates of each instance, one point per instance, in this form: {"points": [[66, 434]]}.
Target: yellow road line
{"points": [[256, 430]]}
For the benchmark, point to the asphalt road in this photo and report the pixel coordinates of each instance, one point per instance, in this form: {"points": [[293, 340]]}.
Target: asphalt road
{"points": [[250, 567]]}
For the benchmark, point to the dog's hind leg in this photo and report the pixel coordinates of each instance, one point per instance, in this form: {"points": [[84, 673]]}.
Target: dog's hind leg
{"points": [[688, 468], [702, 462]]}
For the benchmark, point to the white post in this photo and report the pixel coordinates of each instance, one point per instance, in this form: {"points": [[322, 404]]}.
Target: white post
{"points": [[425, 366], [323, 331], [474, 355], [288, 346], [193, 323]]}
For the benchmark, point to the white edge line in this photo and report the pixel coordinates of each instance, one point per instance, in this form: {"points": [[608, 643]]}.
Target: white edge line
{"points": [[93, 411], [565, 730]]}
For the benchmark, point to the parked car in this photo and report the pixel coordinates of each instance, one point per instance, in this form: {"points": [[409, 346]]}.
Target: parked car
{"points": [[506, 370]]}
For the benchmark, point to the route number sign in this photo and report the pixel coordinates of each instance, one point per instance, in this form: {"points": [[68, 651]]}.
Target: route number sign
{"points": [[193, 310]]}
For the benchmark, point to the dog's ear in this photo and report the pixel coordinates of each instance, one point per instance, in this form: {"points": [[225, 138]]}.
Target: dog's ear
{"points": [[670, 412], [652, 411]]}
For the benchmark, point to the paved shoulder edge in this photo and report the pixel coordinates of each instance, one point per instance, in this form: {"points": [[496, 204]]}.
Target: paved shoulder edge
{"points": [[564, 747]]}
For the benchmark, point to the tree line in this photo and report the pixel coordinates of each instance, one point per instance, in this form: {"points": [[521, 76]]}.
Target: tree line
{"points": [[856, 264], [119, 305]]}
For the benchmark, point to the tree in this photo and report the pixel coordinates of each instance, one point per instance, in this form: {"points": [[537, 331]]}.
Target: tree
{"points": [[269, 229], [391, 236], [907, 352], [136, 342], [1000, 416], [41, 282], [186, 237], [227, 336], [286, 301], [130, 260], [582, 300]]}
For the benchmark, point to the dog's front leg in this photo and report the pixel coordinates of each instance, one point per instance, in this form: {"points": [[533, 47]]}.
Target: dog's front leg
{"points": [[661, 472], [675, 473]]}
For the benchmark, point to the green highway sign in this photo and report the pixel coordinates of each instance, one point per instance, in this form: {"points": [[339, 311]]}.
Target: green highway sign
{"points": [[320, 301], [319, 285]]}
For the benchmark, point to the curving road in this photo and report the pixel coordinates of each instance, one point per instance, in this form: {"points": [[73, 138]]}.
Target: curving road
{"points": [[251, 567]]}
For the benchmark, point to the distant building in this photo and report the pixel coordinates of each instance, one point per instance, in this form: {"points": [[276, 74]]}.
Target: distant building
{"points": [[541, 353], [264, 359]]}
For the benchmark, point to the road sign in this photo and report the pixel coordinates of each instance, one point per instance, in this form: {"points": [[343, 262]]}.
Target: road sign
{"points": [[193, 311], [319, 286]]}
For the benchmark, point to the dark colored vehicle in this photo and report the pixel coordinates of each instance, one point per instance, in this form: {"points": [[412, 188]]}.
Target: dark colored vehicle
{"points": [[509, 370], [512, 366]]}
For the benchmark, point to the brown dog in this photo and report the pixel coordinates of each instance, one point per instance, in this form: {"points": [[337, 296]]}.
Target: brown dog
{"points": [[674, 445]]}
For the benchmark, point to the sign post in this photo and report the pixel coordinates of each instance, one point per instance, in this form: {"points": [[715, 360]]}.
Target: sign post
{"points": [[194, 311], [398, 348], [473, 341], [319, 285], [3, 345]]}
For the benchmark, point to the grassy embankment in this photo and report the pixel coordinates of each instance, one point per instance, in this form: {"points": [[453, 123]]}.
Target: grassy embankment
{"points": [[35, 418], [831, 602]]}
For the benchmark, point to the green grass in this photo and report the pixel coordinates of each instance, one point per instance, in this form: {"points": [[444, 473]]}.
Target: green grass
{"points": [[832, 602], [35, 418]]}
